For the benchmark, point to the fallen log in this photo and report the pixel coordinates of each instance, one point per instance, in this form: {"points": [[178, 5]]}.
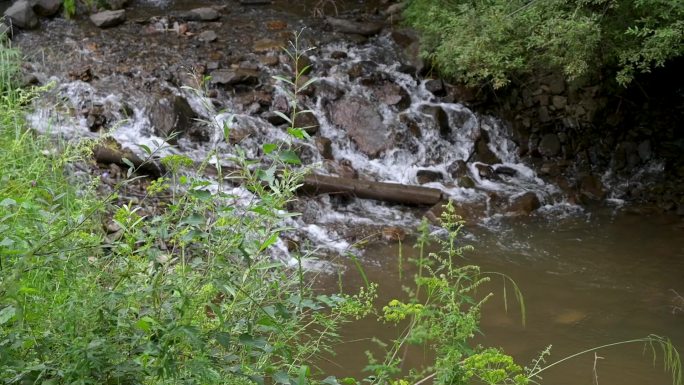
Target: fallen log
{"points": [[382, 191], [110, 151], [315, 184]]}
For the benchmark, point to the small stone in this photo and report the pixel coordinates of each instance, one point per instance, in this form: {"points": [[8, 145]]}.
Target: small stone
{"points": [[505, 170], [324, 146], [428, 176], [338, 55], [269, 60], [276, 25], [107, 19], [207, 36], [203, 14]]}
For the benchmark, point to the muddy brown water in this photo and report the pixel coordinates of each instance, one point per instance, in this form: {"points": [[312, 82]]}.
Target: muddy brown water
{"points": [[587, 280]]}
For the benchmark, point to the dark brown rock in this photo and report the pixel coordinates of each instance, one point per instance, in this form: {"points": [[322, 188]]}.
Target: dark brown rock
{"points": [[363, 123], [308, 122], [524, 204], [107, 19], [324, 146], [171, 116], [428, 176]]}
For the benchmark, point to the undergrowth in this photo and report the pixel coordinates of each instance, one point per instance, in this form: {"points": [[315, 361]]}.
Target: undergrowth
{"points": [[191, 294]]}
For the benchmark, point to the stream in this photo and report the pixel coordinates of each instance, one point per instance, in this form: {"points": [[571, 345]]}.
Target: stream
{"points": [[590, 275]]}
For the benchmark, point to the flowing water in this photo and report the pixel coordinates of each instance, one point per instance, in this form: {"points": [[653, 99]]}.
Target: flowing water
{"points": [[589, 276]]}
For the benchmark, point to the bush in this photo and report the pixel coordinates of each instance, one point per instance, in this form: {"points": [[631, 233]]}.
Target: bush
{"points": [[497, 40]]}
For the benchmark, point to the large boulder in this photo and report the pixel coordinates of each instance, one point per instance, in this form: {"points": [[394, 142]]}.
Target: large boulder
{"points": [[363, 123], [523, 204], [21, 15], [107, 19]]}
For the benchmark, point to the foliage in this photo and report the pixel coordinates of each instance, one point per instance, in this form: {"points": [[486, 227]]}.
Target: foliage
{"points": [[497, 40], [188, 292]]}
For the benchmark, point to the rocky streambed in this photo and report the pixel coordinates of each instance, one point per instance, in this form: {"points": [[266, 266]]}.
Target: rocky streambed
{"points": [[376, 113]]}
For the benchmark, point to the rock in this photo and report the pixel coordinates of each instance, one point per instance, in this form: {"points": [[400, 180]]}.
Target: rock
{"points": [[361, 68], [169, 115], [523, 204], [505, 170], [392, 94], [115, 5], [549, 145], [304, 65], [440, 118], [396, 9], [483, 153], [543, 114], [644, 150], [458, 169], [427, 176], [327, 90], [626, 156], [276, 25], [231, 77], [21, 14], [202, 14], [337, 55], [591, 188], [273, 118], [256, 2], [551, 169], [485, 171], [324, 146], [107, 19], [363, 123], [308, 122], [556, 84], [207, 36], [265, 45], [354, 27], [47, 8], [436, 86], [345, 169], [269, 60], [559, 102]]}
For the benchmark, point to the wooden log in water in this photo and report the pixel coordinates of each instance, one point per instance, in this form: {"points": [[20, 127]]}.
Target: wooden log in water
{"points": [[111, 151], [382, 191], [314, 184]]}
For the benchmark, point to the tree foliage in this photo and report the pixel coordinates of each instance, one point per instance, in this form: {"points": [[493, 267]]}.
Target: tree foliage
{"points": [[496, 40]]}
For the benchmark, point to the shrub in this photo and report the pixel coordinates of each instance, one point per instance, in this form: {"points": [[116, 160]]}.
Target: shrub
{"points": [[497, 40]]}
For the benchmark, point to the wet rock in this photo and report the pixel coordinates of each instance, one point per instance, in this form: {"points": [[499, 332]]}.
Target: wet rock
{"points": [[256, 2], [95, 118], [543, 115], [626, 156], [363, 123], [436, 86], [354, 27], [47, 8], [428, 176], [412, 123], [327, 90], [483, 153], [393, 234], [345, 169], [276, 25], [440, 118], [486, 171], [265, 45], [523, 204], [591, 188], [273, 118], [170, 117], [458, 169], [395, 9], [337, 55], [308, 122], [107, 19], [392, 94], [361, 68], [505, 170], [550, 169], [549, 145], [324, 146], [207, 36], [21, 14], [231, 77]]}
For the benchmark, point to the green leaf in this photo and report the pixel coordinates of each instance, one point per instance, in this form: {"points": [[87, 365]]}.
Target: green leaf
{"points": [[283, 116], [267, 243], [281, 378], [128, 162], [145, 148], [145, 324], [269, 148], [283, 79], [331, 380], [298, 133], [290, 157], [6, 314]]}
